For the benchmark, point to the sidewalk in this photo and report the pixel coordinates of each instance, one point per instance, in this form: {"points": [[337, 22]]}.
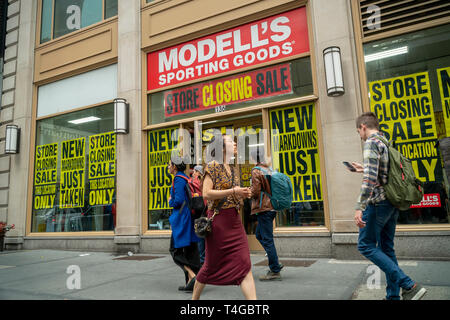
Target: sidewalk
{"points": [[42, 274]]}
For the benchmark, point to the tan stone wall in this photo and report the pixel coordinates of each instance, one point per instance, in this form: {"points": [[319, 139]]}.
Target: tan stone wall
{"points": [[332, 24]]}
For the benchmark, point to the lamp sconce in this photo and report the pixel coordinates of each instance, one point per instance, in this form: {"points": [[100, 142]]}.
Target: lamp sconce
{"points": [[333, 71], [121, 116], [12, 139]]}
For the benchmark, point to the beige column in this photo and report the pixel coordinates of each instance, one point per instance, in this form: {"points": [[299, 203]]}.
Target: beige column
{"points": [[128, 228], [332, 24], [19, 163]]}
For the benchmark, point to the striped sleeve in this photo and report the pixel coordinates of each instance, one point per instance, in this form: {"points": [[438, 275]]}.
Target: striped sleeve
{"points": [[371, 164]]}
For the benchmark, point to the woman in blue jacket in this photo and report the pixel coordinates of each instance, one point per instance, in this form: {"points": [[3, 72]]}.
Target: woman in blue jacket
{"points": [[183, 243]]}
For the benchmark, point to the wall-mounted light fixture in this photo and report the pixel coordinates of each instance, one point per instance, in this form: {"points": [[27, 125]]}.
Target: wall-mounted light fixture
{"points": [[120, 115], [333, 71], [12, 139]]}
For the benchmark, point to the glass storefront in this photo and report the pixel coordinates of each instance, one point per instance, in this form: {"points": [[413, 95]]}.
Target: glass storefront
{"points": [[409, 82], [74, 181]]}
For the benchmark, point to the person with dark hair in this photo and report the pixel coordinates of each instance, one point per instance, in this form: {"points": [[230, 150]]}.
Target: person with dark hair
{"points": [[265, 214], [197, 183], [375, 216], [227, 260], [183, 242]]}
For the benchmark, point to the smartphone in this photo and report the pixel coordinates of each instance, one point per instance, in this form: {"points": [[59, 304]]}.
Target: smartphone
{"points": [[349, 166]]}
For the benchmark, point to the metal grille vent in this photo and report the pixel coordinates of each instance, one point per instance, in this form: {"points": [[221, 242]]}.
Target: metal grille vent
{"points": [[379, 16]]}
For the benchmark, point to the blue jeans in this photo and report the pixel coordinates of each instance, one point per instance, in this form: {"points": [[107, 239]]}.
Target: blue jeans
{"points": [[201, 250], [264, 234], [376, 243]]}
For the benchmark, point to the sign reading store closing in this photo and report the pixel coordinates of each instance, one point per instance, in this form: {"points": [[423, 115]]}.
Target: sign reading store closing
{"points": [[261, 83], [269, 39]]}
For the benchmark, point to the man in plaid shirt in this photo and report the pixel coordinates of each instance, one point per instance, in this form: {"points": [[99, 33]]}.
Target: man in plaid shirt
{"points": [[376, 216]]}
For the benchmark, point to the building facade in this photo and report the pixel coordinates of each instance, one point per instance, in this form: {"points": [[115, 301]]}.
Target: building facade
{"points": [[258, 70]]}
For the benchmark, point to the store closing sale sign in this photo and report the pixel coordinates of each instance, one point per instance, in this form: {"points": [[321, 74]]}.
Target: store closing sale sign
{"points": [[404, 109], [102, 168], [295, 150], [244, 87], [444, 88], [45, 176], [160, 146], [71, 192]]}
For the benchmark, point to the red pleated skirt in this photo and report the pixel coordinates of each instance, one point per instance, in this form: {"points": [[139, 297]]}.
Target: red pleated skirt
{"points": [[227, 255]]}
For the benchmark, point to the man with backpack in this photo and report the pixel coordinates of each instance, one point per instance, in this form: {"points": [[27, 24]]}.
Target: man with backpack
{"points": [[375, 214], [265, 213]]}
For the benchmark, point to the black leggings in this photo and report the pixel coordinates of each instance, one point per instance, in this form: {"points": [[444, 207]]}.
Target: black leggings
{"points": [[186, 256]]}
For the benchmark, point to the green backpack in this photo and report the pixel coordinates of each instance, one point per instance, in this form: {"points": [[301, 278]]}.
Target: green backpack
{"points": [[403, 189]]}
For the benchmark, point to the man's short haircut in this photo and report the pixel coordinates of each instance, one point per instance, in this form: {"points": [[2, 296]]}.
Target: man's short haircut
{"points": [[369, 119]]}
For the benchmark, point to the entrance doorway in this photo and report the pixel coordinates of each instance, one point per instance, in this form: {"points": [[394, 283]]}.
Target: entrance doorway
{"points": [[246, 128]]}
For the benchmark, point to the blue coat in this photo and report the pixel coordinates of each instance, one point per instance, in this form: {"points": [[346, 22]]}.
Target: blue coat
{"points": [[181, 219]]}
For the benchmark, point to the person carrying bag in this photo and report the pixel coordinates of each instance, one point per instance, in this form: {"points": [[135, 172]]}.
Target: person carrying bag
{"points": [[227, 256]]}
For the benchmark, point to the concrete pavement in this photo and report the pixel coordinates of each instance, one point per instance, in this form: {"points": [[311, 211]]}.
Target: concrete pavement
{"points": [[53, 275]]}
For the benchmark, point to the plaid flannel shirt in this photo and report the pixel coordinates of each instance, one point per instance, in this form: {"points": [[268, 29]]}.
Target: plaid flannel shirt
{"points": [[376, 166]]}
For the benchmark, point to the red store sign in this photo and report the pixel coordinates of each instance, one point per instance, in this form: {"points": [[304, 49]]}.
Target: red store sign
{"points": [[261, 83], [429, 201], [269, 39]]}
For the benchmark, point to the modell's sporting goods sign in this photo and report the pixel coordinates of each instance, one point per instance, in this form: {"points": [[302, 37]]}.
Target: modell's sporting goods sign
{"points": [[269, 39], [429, 201]]}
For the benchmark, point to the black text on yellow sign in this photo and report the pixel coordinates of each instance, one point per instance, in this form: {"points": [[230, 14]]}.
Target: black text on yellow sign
{"points": [[71, 194], [102, 168], [160, 145], [102, 191], [295, 150], [45, 176], [404, 107], [102, 155], [444, 89], [424, 159]]}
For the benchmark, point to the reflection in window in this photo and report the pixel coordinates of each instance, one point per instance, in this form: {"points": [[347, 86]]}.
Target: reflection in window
{"points": [[74, 175], [72, 15], [408, 78]]}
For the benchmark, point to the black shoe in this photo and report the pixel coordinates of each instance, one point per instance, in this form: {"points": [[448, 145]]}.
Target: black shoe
{"points": [[190, 286]]}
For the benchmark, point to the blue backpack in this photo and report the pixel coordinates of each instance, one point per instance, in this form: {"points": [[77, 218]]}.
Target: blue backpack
{"points": [[281, 188]]}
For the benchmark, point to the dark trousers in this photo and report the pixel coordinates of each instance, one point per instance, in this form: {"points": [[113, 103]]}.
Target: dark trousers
{"points": [[186, 256], [264, 234]]}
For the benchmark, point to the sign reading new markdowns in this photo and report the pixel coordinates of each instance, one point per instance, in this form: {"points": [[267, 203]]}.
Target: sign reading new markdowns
{"points": [[269, 39]]}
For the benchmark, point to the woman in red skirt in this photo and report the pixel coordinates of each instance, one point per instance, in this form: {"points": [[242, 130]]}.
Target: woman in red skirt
{"points": [[227, 259]]}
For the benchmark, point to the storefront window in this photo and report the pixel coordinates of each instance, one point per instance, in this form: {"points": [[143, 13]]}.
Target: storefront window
{"points": [[283, 81], [295, 152], [160, 146], [409, 84], [75, 172], [72, 15]]}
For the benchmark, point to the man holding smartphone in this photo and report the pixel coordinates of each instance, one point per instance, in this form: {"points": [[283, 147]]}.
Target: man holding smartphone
{"points": [[375, 216]]}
